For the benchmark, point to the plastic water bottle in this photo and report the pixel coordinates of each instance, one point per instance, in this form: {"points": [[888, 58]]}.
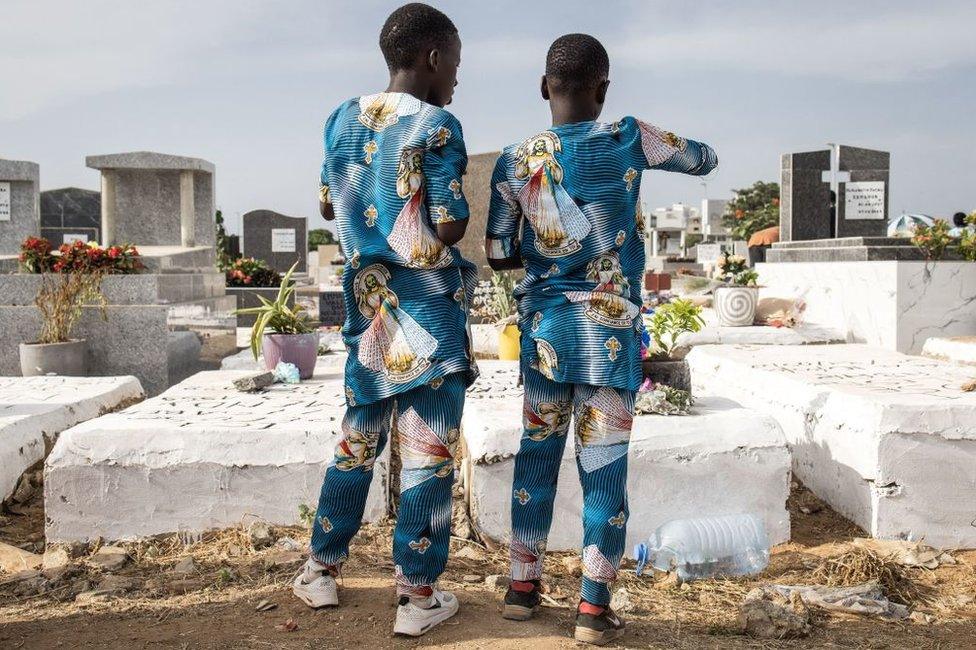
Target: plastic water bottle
{"points": [[707, 547]]}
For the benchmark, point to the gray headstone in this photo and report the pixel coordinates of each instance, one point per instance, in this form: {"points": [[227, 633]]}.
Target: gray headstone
{"points": [[861, 202], [20, 214], [276, 238], [71, 213], [147, 197]]}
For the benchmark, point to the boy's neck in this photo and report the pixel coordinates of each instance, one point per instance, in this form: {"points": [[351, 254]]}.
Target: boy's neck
{"points": [[568, 110], [409, 82]]}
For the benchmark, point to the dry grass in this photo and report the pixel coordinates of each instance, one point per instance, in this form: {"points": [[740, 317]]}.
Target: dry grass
{"points": [[858, 565]]}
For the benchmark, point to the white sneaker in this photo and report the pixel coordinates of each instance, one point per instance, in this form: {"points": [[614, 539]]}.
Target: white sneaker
{"points": [[315, 587], [414, 620]]}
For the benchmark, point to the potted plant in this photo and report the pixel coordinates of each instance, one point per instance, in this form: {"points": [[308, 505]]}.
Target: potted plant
{"points": [[60, 301], [664, 361], [494, 301], [735, 302], [293, 338]]}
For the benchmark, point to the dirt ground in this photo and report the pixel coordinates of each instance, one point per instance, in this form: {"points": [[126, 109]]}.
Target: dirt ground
{"points": [[212, 604]]}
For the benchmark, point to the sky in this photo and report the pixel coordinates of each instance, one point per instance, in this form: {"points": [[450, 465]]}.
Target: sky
{"points": [[247, 85]]}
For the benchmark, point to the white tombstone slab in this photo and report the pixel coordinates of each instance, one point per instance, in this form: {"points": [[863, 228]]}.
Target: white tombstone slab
{"points": [[33, 410], [887, 439], [723, 459], [200, 456]]}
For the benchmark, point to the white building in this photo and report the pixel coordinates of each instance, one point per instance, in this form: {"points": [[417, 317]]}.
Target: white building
{"points": [[712, 228], [669, 227]]}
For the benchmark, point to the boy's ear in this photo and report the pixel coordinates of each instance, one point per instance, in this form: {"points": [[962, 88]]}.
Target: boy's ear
{"points": [[601, 91], [433, 59], [544, 87]]}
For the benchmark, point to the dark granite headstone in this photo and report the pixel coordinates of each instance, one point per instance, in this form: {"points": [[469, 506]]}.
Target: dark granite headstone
{"points": [[276, 238], [71, 213], [860, 208]]}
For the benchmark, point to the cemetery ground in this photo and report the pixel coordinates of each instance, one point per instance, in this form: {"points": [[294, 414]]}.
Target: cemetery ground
{"points": [[173, 592]]}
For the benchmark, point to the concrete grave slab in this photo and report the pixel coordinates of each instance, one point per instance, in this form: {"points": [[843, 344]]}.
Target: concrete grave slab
{"points": [[33, 410], [722, 459], [887, 439], [244, 360], [957, 349], [197, 457]]}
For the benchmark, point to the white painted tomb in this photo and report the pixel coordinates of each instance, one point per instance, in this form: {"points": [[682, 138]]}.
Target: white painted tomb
{"points": [[244, 360], [888, 440], [892, 304], [957, 349], [721, 459], [34, 410], [201, 455]]}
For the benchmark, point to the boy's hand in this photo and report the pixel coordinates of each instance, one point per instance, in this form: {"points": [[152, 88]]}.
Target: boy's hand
{"points": [[326, 210], [451, 232]]}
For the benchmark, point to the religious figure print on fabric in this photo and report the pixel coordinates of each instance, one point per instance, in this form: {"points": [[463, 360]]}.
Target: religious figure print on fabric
{"points": [[393, 169], [566, 204], [603, 425]]}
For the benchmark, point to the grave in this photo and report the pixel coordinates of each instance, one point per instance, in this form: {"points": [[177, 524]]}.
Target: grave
{"points": [[722, 459], [34, 410], [888, 440], [957, 349], [154, 199], [19, 206], [202, 455], [838, 192], [278, 239], [71, 214]]}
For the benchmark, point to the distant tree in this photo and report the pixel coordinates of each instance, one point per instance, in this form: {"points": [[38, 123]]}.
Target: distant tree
{"points": [[224, 259], [752, 209], [320, 236]]}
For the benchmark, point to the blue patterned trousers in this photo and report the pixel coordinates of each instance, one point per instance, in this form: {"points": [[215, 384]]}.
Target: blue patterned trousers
{"points": [[603, 420], [426, 421]]}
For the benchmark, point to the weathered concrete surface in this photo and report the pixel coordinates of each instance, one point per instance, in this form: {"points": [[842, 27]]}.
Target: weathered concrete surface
{"points": [[33, 410], [722, 459], [803, 334], [887, 439], [957, 349], [244, 360], [199, 456]]}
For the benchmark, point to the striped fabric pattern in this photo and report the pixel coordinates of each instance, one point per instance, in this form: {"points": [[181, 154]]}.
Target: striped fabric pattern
{"points": [[393, 168], [566, 202], [427, 421]]}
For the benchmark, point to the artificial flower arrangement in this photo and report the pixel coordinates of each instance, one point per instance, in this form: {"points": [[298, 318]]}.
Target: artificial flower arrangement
{"points": [[37, 255], [251, 272]]}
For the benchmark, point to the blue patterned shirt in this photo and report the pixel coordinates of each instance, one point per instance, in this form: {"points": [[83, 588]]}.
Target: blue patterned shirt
{"points": [[393, 169], [567, 201]]}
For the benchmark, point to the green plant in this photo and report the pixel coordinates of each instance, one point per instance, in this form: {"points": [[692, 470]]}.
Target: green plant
{"points": [[60, 300], [932, 240], [967, 245], [251, 272], [734, 270], [494, 299], [320, 237], [277, 316], [224, 258], [671, 320], [752, 209], [306, 515]]}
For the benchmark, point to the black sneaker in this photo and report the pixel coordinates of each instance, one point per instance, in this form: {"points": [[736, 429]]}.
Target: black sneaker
{"points": [[597, 625], [520, 605]]}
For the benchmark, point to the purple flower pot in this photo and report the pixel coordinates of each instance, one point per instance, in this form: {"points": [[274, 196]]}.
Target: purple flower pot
{"points": [[299, 349]]}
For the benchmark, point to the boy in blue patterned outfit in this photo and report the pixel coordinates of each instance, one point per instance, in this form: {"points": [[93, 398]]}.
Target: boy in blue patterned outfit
{"points": [[564, 205], [391, 177]]}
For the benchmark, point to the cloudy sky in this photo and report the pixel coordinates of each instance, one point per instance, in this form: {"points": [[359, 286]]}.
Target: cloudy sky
{"points": [[247, 83]]}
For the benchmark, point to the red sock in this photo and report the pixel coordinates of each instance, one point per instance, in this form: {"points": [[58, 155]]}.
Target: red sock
{"points": [[590, 608], [522, 586]]}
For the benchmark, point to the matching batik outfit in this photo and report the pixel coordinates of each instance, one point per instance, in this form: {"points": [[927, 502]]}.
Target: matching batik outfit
{"points": [[566, 201], [393, 170]]}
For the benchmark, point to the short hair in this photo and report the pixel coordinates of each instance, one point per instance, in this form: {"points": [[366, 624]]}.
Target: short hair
{"points": [[410, 29], [959, 219], [576, 62]]}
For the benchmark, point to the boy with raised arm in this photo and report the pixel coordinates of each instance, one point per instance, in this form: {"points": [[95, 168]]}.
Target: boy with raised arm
{"points": [[564, 204], [391, 178]]}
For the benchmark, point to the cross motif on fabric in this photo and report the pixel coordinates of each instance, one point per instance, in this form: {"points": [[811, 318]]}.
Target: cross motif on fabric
{"points": [[455, 187], [613, 346], [370, 214], [618, 520], [630, 176], [420, 546], [325, 524], [522, 496], [370, 148]]}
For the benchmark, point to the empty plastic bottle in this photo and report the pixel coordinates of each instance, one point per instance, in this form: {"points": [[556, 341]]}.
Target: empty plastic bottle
{"points": [[706, 547]]}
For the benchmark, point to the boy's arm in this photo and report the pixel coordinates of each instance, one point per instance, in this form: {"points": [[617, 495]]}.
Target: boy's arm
{"points": [[445, 163], [502, 246], [669, 152]]}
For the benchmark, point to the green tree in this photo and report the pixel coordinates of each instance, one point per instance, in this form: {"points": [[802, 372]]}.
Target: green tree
{"points": [[224, 259], [752, 209], [320, 236]]}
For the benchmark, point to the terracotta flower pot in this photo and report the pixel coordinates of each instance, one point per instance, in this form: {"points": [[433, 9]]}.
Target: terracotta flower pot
{"points": [[736, 306], [299, 349], [69, 359]]}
